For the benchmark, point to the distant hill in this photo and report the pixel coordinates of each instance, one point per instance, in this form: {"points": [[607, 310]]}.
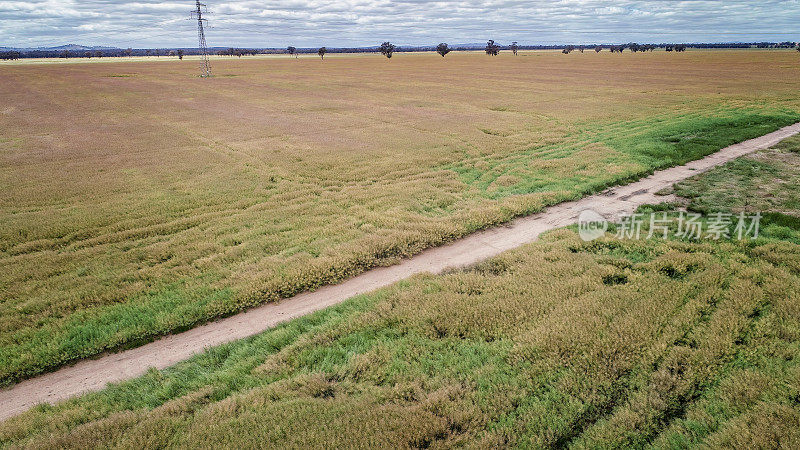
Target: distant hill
{"points": [[69, 47]]}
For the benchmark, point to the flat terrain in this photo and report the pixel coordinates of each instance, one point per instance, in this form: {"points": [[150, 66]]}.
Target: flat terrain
{"points": [[95, 374], [563, 343], [140, 200]]}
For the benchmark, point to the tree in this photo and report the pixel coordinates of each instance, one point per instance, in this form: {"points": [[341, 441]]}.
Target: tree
{"points": [[321, 52], [291, 50], [581, 48], [129, 52], [87, 54], [98, 54], [514, 48], [492, 48], [568, 49], [12, 55], [443, 49], [598, 49], [180, 54], [387, 49]]}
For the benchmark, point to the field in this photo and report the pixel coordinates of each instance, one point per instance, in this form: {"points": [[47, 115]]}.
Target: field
{"points": [[139, 200], [562, 343]]}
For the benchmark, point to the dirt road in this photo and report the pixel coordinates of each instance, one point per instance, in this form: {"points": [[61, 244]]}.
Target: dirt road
{"points": [[93, 375]]}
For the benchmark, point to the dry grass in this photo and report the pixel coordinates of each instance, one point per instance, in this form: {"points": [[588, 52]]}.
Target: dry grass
{"points": [[139, 200]]}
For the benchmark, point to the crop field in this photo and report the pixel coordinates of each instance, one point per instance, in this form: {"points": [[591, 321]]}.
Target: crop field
{"points": [[562, 343], [139, 200]]}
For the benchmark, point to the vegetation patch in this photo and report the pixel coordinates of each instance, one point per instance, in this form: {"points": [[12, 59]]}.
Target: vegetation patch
{"points": [[766, 182], [616, 279], [494, 132], [689, 139], [636, 148]]}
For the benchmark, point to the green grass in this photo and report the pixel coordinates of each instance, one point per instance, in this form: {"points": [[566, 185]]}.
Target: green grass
{"points": [[640, 147], [690, 139]]}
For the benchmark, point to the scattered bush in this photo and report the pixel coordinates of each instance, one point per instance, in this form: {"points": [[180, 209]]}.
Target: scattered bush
{"points": [[492, 48], [387, 49]]}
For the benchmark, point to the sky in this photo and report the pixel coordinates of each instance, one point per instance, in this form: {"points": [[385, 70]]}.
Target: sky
{"points": [[357, 23]]}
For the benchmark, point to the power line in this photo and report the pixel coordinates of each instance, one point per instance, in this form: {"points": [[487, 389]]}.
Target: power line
{"points": [[205, 64]]}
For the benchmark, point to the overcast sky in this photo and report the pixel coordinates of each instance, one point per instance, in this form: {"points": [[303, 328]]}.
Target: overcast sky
{"points": [[313, 23]]}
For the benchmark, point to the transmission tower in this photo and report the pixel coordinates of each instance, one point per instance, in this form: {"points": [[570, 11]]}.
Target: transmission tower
{"points": [[205, 64]]}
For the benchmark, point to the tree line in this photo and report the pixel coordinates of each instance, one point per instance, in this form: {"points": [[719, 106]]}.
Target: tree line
{"points": [[492, 48], [387, 49], [6, 56], [238, 52]]}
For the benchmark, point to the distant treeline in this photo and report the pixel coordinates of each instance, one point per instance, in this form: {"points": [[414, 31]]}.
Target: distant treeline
{"points": [[180, 52], [103, 53], [631, 46], [10, 55]]}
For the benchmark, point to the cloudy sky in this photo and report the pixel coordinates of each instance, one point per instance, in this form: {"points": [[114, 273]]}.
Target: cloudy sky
{"points": [[309, 23]]}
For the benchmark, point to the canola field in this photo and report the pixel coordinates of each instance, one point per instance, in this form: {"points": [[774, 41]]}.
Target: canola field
{"points": [[139, 200], [616, 343]]}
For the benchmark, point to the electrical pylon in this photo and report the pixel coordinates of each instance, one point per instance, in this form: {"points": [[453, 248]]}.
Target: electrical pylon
{"points": [[205, 64]]}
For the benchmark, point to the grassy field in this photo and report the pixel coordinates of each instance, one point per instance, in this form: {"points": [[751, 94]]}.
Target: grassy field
{"points": [[562, 343], [139, 200]]}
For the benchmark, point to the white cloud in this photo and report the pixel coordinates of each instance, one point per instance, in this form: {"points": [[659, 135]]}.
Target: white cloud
{"points": [[255, 23]]}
